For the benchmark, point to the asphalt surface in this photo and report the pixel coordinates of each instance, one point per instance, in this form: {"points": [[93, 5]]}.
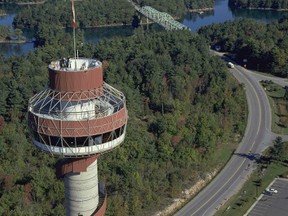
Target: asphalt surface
{"points": [[258, 136], [272, 203]]}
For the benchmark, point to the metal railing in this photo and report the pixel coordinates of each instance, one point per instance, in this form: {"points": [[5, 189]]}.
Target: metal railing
{"points": [[45, 104]]}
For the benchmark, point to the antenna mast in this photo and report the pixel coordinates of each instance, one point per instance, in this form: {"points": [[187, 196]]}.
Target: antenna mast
{"points": [[74, 30]]}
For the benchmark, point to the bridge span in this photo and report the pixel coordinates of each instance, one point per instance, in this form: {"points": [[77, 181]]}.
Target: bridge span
{"points": [[162, 18]]}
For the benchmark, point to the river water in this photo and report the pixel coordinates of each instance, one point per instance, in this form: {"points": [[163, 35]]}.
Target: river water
{"points": [[194, 21]]}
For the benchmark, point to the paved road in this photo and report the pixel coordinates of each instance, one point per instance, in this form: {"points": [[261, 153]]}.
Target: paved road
{"points": [[257, 137]]}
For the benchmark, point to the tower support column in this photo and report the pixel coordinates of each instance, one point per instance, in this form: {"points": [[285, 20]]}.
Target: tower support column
{"points": [[81, 191]]}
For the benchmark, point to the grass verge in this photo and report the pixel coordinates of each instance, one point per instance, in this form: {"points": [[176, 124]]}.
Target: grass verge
{"points": [[279, 106], [239, 204]]}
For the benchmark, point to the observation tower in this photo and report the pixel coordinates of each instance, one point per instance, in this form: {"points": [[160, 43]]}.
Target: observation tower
{"points": [[78, 117]]}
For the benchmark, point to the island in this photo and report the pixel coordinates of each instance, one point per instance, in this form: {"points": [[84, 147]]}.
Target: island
{"points": [[9, 36], [2, 13]]}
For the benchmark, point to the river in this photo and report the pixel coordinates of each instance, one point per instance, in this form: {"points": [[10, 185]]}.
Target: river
{"points": [[194, 21]]}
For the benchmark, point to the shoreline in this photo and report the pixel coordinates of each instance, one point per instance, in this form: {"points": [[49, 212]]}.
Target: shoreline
{"points": [[200, 10], [89, 27], [15, 41], [252, 8], [105, 25], [24, 3]]}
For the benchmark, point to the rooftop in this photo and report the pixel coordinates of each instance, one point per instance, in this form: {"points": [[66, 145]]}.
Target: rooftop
{"points": [[74, 65]]}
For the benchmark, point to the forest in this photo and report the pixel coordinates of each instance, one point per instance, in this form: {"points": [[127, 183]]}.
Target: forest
{"points": [[263, 4], [88, 14], [104, 13], [263, 45], [184, 109]]}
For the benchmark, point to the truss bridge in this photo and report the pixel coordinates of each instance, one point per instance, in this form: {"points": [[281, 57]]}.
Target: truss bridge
{"points": [[162, 18]]}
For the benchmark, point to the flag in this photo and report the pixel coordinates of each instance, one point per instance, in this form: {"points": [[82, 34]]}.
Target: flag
{"points": [[73, 14]]}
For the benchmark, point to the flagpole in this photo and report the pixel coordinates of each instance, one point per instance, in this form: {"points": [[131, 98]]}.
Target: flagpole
{"points": [[74, 36], [74, 31]]}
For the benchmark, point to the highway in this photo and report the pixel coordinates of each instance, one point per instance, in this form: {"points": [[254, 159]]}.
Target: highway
{"points": [[258, 136]]}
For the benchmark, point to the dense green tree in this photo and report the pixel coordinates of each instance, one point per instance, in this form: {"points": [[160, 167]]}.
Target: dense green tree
{"points": [[5, 33], [286, 93], [266, 4], [279, 151], [18, 34]]}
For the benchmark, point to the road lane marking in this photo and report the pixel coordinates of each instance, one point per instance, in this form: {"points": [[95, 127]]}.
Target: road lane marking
{"points": [[260, 110], [258, 100], [220, 187]]}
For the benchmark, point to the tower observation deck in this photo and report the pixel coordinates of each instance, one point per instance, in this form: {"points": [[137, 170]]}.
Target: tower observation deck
{"points": [[78, 116]]}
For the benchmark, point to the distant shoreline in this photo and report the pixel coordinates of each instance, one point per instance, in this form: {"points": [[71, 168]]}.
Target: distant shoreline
{"points": [[106, 25], [200, 9], [271, 9], [24, 3], [14, 41]]}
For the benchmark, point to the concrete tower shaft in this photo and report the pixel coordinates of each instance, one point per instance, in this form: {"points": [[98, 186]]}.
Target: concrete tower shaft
{"points": [[81, 191]]}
